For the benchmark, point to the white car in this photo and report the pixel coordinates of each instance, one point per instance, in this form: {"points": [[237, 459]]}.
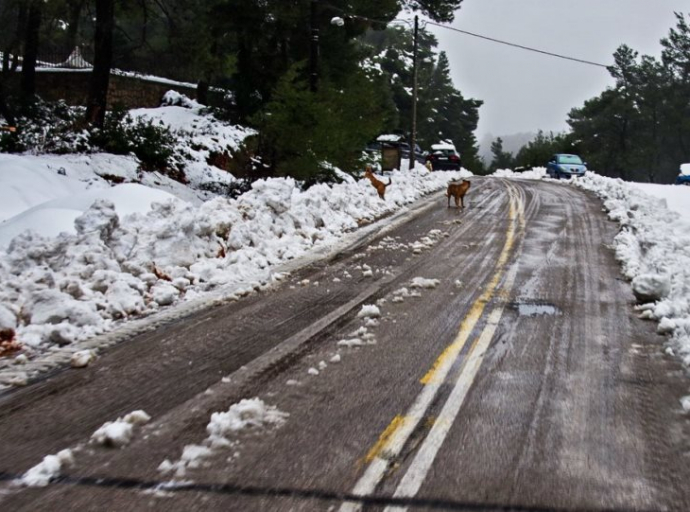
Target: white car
{"points": [[684, 175]]}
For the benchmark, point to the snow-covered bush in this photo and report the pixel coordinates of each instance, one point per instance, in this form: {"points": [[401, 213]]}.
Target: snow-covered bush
{"points": [[48, 128], [121, 134]]}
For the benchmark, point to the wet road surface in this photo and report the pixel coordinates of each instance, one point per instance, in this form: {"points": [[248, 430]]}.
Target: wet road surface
{"points": [[515, 376]]}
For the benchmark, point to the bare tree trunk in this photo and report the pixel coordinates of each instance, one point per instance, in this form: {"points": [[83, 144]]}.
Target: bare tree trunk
{"points": [[202, 91], [75, 8], [103, 59], [5, 110], [16, 45], [31, 41]]}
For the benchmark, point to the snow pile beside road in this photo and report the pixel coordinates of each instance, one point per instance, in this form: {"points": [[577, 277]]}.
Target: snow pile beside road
{"points": [[54, 291], [653, 248], [537, 173], [56, 216], [677, 198]]}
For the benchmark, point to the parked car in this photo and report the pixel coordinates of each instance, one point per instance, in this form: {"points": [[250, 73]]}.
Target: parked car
{"points": [[444, 157], [418, 153], [684, 175], [565, 166]]}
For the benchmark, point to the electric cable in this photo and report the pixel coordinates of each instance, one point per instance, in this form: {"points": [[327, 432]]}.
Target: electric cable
{"points": [[480, 36], [515, 45]]}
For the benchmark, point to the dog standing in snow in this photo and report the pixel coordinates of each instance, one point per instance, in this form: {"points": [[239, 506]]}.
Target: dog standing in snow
{"points": [[379, 185], [458, 190]]}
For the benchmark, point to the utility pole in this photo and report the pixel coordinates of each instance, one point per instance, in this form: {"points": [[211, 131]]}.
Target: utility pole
{"points": [[413, 137], [314, 53]]}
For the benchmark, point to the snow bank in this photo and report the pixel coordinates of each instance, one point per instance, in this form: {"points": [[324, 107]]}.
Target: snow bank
{"points": [[27, 181], [58, 290], [653, 247], [537, 173], [677, 197], [53, 217]]}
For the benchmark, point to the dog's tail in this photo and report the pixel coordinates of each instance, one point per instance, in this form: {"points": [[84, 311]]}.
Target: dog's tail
{"points": [[389, 182]]}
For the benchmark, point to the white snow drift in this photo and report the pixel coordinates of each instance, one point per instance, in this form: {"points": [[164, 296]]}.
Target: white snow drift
{"points": [[56, 290]]}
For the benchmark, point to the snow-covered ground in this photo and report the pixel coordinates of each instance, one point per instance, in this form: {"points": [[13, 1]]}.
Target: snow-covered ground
{"points": [[677, 197], [91, 259]]}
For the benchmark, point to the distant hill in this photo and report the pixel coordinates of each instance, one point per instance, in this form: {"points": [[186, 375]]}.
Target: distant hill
{"points": [[511, 143]]}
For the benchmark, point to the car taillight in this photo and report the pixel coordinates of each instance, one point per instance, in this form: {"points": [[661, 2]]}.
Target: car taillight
{"points": [[455, 158]]}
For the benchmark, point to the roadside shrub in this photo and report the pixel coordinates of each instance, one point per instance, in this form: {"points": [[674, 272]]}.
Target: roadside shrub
{"points": [[47, 128], [152, 144]]}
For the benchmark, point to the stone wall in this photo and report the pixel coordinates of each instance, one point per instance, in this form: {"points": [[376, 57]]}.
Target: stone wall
{"points": [[72, 86]]}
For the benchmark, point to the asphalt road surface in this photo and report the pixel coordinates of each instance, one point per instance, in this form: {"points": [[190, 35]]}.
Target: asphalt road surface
{"points": [[517, 377]]}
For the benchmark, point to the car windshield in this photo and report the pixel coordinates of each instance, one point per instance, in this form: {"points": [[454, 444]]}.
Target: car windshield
{"points": [[569, 159], [444, 152]]}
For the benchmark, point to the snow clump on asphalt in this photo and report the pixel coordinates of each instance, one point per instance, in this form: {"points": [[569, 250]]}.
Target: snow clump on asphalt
{"points": [[421, 282], [82, 359], [653, 248], [369, 311], [246, 414], [350, 342], [119, 433], [50, 467]]}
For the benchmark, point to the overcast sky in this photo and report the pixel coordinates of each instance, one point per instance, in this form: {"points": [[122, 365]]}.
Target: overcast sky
{"points": [[524, 91]]}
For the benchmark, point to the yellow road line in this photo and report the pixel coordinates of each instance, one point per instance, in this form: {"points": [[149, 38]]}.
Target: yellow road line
{"points": [[384, 438], [477, 309], [394, 437]]}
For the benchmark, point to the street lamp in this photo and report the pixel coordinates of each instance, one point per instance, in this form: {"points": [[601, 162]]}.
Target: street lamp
{"points": [[314, 53], [413, 135]]}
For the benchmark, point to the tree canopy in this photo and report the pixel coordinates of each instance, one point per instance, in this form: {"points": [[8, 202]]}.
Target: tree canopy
{"points": [[258, 50], [639, 129]]}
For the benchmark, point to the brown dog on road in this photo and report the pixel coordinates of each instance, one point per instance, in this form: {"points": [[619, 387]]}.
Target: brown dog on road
{"points": [[379, 185], [458, 190]]}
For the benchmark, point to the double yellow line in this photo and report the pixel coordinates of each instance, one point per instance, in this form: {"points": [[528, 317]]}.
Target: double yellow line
{"points": [[390, 443]]}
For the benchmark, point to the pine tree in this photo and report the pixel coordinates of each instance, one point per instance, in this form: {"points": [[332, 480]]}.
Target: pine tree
{"points": [[501, 159], [103, 55]]}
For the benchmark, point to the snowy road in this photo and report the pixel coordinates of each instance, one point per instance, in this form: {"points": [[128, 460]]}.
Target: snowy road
{"points": [[503, 367]]}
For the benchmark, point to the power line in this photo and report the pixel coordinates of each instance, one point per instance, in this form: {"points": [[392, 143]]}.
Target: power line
{"points": [[480, 36], [515, 45]]}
